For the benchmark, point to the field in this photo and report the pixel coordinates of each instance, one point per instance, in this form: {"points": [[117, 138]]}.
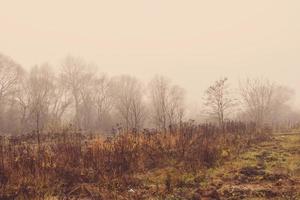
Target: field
{"points": [[193, 162], [269, 170]]}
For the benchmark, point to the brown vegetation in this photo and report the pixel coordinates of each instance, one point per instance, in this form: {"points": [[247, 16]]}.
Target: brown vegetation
{"points": [[70, 164]]}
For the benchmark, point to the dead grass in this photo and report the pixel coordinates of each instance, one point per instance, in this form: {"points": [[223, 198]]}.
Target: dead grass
{"points": [[173, 165]]}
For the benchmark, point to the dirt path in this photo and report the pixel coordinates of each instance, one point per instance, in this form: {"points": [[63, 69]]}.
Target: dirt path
{"points": [[270, 170]]}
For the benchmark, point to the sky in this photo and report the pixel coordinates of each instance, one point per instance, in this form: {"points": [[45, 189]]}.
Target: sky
{"points": [[193, 42]]}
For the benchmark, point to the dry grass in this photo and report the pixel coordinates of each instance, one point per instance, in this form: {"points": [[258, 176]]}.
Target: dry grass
{"points": [[69, 164]]}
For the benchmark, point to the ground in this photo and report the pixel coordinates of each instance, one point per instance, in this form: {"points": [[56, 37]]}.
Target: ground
{"points": [[265, 170], [268, 170]]}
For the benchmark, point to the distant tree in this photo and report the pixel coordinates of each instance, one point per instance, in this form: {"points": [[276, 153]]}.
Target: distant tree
{"points": [[41, 88], [167, 103], [103, 99], [257, 96], [10, 76], [60, 102], [129, 101], [176, 105], [23, 100], [264, 100], [219, 100], [159, 88], [76, 76]]}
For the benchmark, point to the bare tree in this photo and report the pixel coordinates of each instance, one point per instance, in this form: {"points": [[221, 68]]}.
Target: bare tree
{"points": [[59, 103], [103, 99], [219, 100], [87, 105], [167, 102], [75, 76], [257, 96], [129, 101], [264, 100], [280, 108], [10, 75], [23, 99], [41, 87], [159, 88], [176, 105]]}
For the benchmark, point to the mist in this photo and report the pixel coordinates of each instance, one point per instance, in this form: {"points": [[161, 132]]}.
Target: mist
{"points": [[160, 99], [192, 43]]}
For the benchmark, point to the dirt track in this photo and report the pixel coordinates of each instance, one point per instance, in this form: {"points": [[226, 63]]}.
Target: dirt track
{"points": [[270, 170]]}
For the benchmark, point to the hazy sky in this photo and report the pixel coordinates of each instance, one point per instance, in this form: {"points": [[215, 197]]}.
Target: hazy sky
{"points": [[191, 42]]}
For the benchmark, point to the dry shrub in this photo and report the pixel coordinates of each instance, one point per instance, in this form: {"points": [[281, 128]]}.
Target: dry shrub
{"points": [[71, 159]]}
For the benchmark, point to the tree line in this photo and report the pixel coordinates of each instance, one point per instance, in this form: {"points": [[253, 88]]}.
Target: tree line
{"points": [[78, 96]]}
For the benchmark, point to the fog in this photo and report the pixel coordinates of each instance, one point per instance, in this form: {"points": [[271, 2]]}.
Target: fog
{"points": [[193, 43], [149, 99]]}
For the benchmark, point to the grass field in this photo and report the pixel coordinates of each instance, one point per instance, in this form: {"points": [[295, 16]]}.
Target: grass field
{"points": [[269, 170]]}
